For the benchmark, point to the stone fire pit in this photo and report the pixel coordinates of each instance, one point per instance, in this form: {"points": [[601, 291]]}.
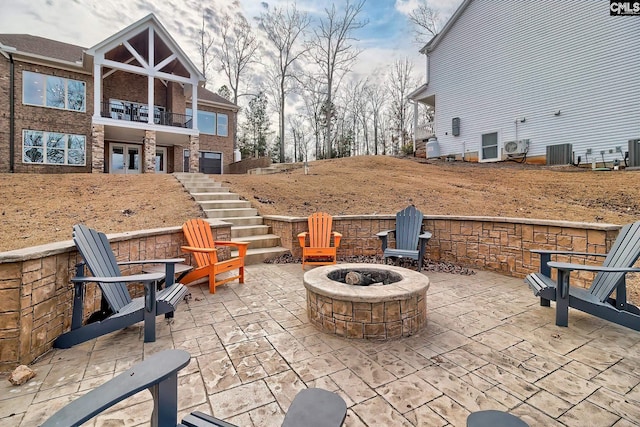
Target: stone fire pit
{"points": [[377, 311]]}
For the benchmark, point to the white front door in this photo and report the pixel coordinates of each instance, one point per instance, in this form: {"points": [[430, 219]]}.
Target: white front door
{"points": [[125, 158]]}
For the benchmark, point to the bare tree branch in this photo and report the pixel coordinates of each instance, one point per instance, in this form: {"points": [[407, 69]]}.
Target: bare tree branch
{"points": [[333, 51], [284, 28], [426, 21]]}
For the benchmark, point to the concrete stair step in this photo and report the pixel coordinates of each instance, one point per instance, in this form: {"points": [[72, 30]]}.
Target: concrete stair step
{"points": [[262, 241], [224, 204], [240, 231], [203, 197], [257, 256], [211, 190], [230, 213], [202, 188], [244, 220]]}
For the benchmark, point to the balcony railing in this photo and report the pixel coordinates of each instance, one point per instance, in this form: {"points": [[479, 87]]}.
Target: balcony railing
{"points": [[136, 112], [424, 131]]}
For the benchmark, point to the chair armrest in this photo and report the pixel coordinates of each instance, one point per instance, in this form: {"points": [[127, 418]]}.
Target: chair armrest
{"points": [[384, 233], [596, 268], [336, 238], [302, 237], [153, 261], [151, 372], [194, 249], [553, 252], [228, 243], [425, 235], [146, 277]]}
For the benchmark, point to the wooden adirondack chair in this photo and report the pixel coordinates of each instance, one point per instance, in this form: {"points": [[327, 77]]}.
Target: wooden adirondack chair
{"points": [[118, 306], [411, 240], [159, 374], [319, 251], [203, 247], [596, 300]]}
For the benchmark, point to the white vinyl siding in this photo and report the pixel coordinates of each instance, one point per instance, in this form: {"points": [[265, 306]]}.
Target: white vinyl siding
{"points": [[503, 61]]}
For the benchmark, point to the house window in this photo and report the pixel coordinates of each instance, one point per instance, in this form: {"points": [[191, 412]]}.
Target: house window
{"points": [[489, 148], [53, 148], [53, 92], [206, 121], [223, 122]]}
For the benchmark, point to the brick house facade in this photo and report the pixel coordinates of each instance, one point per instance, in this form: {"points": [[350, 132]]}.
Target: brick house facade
{"points": [[50, 121]]}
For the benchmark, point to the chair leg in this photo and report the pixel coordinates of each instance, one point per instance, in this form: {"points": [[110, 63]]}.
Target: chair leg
{"points": [[562, 298], [212, 283], [165, 402], [241, 273]]}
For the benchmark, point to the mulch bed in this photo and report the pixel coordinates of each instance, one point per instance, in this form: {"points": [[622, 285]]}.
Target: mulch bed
{"points": [[428, 265]]}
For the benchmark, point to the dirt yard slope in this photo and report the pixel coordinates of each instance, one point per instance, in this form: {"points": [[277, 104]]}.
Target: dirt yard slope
{"points": [[39, 209], [368, 184]]}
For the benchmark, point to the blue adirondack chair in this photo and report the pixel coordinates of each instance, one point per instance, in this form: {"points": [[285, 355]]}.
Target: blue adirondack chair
{"points": [[596, 300], [120, 310], [159, 374], [411, 240]]}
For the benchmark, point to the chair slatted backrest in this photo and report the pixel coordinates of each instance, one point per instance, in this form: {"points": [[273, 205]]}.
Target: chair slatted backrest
{"points": [[624, 253], [198, 234], [408, 227], [320, 230], [99, 258]]}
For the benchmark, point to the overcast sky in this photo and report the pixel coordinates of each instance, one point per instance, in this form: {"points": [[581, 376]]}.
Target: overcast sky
{"points": [[87, 22]]}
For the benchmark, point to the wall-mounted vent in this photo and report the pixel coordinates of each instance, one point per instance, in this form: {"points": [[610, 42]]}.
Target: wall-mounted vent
{"points": [[559, 154], [634, 152]]}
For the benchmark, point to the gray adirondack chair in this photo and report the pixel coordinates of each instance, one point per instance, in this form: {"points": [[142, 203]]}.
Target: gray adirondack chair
{"points": [[411, 240], [159, 374], [120, 309], [597, 300]]}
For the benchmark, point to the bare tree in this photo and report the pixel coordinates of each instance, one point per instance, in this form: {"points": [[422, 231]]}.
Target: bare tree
{"points": [[377, 101], [426, 21], [283, 28], [238, 49], [313, 95], [401, 81], [205, 46], [332, 50], [299, 131]]}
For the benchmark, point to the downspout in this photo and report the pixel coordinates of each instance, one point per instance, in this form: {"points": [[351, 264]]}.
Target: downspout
{"points": [[12, 118]]}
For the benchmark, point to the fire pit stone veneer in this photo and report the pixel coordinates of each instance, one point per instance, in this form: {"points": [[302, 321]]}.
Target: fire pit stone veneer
{"points": [[380, 312]]}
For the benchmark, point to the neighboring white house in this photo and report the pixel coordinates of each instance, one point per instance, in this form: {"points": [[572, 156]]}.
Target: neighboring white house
{"points": [[531, 79]]}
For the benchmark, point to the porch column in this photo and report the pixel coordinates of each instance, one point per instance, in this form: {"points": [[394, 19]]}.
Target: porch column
{"points": [[149, 149], [415, 123], [97, 148], [194, 154]]}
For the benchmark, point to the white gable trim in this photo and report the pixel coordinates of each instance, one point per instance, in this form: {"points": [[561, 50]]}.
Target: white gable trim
{"points": [[149, 21]]}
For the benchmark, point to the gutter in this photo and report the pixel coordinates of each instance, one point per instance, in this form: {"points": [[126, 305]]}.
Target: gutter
{"points": [[12, 118]]}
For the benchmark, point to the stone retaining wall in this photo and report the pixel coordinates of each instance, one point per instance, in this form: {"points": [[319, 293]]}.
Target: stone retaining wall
{"points": [[36, 296], [486, 243]]}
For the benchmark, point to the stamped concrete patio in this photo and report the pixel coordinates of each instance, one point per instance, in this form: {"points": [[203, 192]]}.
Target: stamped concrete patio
{"points": [[487, 345]]}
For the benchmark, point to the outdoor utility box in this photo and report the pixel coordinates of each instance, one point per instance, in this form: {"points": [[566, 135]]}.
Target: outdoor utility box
{"points": [[455, 126], [560, 154], [634, 153]]}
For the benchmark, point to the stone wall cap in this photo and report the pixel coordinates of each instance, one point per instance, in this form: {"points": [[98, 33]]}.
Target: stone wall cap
{"points": [[506, 220]]}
